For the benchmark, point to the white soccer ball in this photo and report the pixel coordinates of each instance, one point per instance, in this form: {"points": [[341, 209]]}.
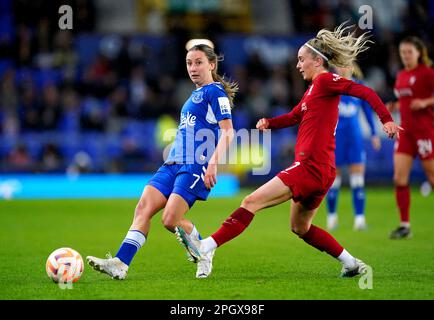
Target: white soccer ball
{"points": [[64, 265]]}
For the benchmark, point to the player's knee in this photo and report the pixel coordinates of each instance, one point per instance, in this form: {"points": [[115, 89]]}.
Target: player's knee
{"points": [[400, 180], [430, 175], [401, 177], [431, 180], [144, 211], [169, 221], [142, 207], [250, 203]]}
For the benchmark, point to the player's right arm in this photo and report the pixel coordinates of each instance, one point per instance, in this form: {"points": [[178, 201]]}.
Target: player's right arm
{"points": [[283, 121]]}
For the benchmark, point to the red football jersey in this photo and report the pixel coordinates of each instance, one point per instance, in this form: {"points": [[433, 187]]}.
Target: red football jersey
{"points": [[318, 115], [415, 84]]}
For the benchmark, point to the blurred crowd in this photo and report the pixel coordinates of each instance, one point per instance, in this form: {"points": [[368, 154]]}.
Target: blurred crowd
{"points": [[50, 99]]}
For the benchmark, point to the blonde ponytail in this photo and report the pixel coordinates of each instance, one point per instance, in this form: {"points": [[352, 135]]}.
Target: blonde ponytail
{"points": [[340, 46]]}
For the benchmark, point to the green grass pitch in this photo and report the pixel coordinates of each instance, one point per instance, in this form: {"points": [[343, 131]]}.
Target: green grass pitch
{"points": [[266, 262]]}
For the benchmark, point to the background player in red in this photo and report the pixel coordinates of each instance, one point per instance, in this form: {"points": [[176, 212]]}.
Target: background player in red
{"points": [[414, 88], [309, 178]]}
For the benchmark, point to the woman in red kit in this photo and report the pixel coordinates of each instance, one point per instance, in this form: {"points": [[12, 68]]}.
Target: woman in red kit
{"points": [[414, 88], [308, 179]]}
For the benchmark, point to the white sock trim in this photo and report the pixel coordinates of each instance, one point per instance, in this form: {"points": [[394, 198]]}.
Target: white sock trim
{"points": [[136, 238], [194, 233], [337, 182], [357, 180]]}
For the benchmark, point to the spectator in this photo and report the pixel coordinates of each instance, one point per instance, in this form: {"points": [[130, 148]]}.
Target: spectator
{"points": [[51, 159], [19, 160], [30, 110], [50, 114], [93, 117]]}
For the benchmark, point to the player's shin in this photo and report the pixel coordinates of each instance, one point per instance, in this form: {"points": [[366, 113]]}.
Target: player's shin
{"points": [[357, 184], [234, 225], [133, 241], [322, 240], [402, 194], [332, 196]]}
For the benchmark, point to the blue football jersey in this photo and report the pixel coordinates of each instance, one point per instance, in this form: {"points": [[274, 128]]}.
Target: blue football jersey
{"points": [[198, 129]]}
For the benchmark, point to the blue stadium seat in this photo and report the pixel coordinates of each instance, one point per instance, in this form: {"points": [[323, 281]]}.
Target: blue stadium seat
{"points": [[34, 143], [94, 145], [113, 146], [69, 147], [69, 122], [42, 77]]}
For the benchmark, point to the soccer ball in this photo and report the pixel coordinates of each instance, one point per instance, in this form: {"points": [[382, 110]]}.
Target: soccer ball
{"points": [[64, 265]]}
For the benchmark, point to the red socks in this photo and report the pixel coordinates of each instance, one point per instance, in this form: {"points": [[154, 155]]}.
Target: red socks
{"points": [[323, 241], [241, 218], [402, 194], [233, 226]]}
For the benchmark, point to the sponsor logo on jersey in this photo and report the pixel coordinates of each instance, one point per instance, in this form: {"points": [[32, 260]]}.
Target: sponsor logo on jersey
{"points": [[304, 106], [187, 119], [197, 97]]}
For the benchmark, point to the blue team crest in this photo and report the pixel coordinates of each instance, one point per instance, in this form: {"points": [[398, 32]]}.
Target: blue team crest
{"points": [[197, 97]]}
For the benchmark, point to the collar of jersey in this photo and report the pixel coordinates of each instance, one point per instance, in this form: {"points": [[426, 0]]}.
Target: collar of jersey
{"points": [[206, 85]]}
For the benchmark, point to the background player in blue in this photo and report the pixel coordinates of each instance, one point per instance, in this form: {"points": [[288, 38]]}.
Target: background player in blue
{"points": [[190, 170], [349, 152]]}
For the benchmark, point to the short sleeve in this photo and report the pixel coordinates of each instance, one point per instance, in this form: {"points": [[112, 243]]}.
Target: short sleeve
{"points": [[219, 102]]}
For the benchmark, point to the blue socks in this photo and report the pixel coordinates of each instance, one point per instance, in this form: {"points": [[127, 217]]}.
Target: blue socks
{"points": [[133, 241], [332, 200], [357, 184], [359, 200]]}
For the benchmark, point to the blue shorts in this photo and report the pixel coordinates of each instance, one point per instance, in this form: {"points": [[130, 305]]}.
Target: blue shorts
{"points": [[186, 180], [349, 150]]}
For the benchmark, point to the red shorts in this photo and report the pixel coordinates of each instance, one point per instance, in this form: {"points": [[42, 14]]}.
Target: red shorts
{"points": [[416, 143], [309, 184]]}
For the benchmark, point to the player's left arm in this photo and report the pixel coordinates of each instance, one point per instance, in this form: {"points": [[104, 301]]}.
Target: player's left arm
{"points": [[417, 104], [225, 140], [342, 86], [221, 107]]}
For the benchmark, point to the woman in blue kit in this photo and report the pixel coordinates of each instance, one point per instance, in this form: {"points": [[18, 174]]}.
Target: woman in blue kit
{"points": [[350, 153], [190, 171]]}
